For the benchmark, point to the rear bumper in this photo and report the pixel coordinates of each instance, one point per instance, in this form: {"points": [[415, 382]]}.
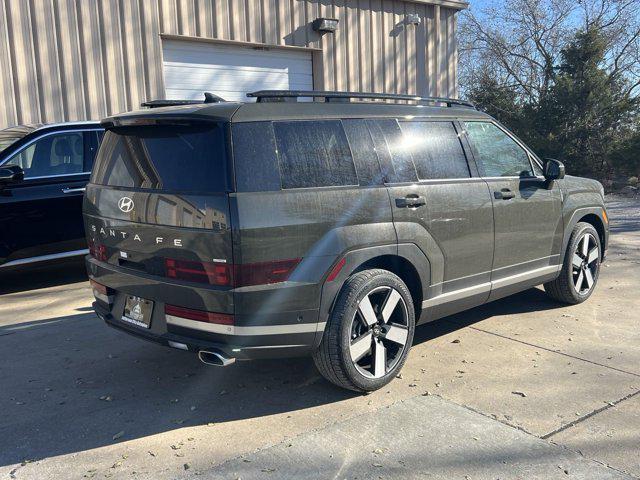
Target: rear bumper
{"points": [[287, 333]]}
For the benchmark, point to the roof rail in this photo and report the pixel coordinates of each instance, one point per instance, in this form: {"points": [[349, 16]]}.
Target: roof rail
{"points": [[293, 95], [208, 98]]}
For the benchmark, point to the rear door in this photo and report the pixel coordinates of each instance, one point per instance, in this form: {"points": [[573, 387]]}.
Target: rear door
{"points": [[43, 214], [527, 209], [158, 200], [440, 204]]}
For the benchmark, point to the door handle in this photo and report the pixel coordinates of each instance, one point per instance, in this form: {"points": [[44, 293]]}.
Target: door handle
{"points": [[504, 194], [74, 190], [411, 201]]}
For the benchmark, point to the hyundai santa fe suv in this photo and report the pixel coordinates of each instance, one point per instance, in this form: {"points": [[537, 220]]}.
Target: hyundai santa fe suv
{"points": [[327, 228]]}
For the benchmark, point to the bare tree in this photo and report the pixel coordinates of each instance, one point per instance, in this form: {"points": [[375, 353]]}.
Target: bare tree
{"points": [[519, 42]]}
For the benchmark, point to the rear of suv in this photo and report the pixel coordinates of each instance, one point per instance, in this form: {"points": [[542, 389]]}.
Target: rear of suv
{"points": [[329, 229]]}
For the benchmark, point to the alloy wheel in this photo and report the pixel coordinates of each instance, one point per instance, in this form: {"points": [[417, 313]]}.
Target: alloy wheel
{"points": [[379, 332], [585, 264]]}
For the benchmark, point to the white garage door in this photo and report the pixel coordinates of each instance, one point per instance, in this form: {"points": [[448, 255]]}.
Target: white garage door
{"points": [[230, 71]]}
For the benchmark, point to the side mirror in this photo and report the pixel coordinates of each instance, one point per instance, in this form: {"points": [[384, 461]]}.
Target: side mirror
{"points": [[11, 174], [553, 169]]}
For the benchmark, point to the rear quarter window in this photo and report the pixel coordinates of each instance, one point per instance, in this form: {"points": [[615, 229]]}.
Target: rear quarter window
{"points": [[314, 154], [255, 157], [179, 158]]}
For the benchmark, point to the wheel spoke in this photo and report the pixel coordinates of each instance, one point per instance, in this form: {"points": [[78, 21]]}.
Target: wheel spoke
{"points": [[379, 359], [397, 334], [366, 310], [585, 246], [589, 277], [577, 261], [361, 346], [390, 305], [579, 281], [593, 255]]}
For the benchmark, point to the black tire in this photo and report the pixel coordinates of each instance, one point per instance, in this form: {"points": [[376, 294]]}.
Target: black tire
{"points": [[334, 356], [564, 287]]}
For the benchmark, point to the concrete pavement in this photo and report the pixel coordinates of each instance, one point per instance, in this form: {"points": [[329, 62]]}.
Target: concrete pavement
{"points": [[541, 384]]}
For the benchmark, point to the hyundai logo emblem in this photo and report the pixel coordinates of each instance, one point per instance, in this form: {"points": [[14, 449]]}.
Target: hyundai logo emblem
{"points": [[125, 204]]}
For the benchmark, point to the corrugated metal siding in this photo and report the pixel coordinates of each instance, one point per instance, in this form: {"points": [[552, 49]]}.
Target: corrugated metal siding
{"points": [[64, 60]]}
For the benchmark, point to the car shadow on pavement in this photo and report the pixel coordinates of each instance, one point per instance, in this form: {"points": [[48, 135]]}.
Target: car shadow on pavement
{"points": [[31, 277], [532, 300], [72, 384]]}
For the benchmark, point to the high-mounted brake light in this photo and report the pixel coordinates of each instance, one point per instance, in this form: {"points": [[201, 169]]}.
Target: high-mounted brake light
{"points": [[224, 274], [199, 315]]}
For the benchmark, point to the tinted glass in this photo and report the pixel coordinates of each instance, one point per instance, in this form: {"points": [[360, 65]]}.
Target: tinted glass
{"points": [[255, 158], [394, 158], [314, 154], [436, 150], [57, 154], [91, 144], [364, 152], [181, 158], [498, 154]]}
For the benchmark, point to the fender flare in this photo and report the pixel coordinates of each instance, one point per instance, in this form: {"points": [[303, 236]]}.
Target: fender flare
{"points": [[576, 216], [356, 258]]}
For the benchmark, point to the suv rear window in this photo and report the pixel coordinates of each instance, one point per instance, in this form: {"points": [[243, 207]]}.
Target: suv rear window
{"points": [[181, 158]]}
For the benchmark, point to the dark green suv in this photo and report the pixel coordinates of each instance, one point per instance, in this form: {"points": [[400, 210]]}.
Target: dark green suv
{"points": [[326, 228]]}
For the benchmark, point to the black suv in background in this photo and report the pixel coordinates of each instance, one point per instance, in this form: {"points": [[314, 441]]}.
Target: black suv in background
{"points": [[43, 173], [328, 229]]}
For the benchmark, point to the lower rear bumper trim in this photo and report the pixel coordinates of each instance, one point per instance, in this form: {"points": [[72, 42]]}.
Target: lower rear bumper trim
{"points": [[246, 331]]}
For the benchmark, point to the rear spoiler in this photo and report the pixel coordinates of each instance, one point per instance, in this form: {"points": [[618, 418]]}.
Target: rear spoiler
{"points": [[208, 98]]}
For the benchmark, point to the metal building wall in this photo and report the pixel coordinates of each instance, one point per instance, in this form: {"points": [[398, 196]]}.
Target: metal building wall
{"points": [[64, 60]]}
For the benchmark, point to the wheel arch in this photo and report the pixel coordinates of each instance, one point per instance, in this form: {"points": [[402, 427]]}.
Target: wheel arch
{"points": [[405, 260], [593, 216], [598, 224]]}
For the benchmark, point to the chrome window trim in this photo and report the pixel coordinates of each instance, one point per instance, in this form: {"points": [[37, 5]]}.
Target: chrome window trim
{"points": [[48, 134]]}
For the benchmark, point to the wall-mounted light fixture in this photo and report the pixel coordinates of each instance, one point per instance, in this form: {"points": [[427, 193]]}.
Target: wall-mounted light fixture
{"points": [[412, 19], [325, 25]]}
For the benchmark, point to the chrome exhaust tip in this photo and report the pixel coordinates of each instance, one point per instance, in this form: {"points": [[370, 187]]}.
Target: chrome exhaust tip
{"points": [[217, 359]]}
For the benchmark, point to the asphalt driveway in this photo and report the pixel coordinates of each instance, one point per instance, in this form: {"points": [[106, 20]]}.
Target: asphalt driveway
{"points": [[519, 388]]}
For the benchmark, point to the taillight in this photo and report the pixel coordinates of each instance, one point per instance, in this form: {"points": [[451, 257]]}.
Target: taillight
{"points": [[224, 274], [98, 251], [199, 315], [264, 273], [203, 272]]}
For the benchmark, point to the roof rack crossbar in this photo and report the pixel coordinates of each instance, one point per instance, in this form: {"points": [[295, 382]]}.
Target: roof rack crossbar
{"points": [[208, 98], [284, 95]]}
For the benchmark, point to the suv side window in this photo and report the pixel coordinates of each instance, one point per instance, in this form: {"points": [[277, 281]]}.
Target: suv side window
{"points": [[395, 160], [92, 141], [436, 150], [314, 154], [497, 154], [57, 154], [255, 157], [364, 153]]}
